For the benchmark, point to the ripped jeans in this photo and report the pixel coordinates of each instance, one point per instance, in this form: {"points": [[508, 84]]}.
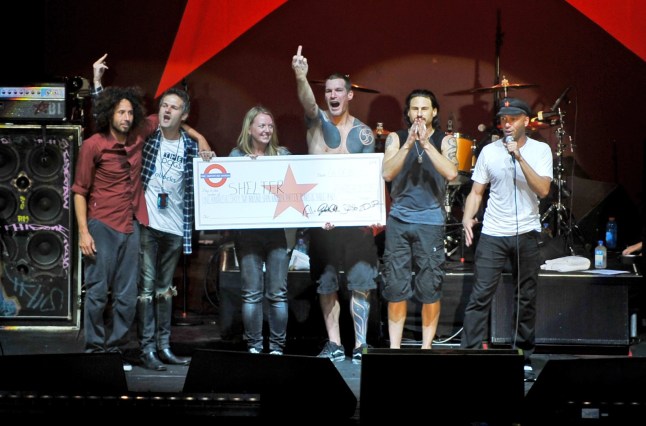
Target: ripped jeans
{"points": [[160, 252]]}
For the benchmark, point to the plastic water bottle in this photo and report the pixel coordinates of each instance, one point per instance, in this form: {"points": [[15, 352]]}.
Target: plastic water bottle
{"points": [[600, 256], [611, 233], [546, 231], [301, 245]]}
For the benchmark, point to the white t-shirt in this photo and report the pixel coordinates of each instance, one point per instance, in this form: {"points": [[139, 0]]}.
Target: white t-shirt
{"points": [[511, 208], [169, 179]]}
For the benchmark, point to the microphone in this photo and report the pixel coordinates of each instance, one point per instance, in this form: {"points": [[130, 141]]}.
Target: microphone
{"points": [[547, 115], [560, 99], [507, 140]]}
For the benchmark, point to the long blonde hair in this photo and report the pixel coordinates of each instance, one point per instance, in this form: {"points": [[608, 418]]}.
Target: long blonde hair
{"points": [[245, 141]]}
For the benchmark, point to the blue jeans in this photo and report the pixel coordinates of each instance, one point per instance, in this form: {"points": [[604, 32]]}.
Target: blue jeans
{"points": [[253, 248], [160, 252], [113, 271], [490, 257]]}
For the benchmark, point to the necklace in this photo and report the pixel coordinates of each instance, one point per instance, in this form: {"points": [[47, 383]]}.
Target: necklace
{"points": [[170, 166], [419, 154]]}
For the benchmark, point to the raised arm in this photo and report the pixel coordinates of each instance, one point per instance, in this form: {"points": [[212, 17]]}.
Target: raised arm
{"points": [[303, 88], [203, 146], [98, 68], [394, 155], [445, 162], [540, 185]]}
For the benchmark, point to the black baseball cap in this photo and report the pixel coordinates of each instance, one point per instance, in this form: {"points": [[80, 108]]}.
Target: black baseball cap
{"points": [[514, 106]]}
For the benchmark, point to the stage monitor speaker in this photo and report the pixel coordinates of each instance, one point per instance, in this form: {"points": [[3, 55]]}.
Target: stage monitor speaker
{"points": [[290, 386], [64, 374], [571, 309], [608, 390], [457, 386], [40, 282]]}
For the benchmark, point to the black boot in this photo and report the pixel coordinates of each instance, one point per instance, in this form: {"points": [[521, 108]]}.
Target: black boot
{"points": [[164, 309], [169, 357], [151, 362], [146, 325]]}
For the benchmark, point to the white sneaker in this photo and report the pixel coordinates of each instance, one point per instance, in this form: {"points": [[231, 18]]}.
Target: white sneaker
{"points": [[254, 351], [276, 352]]}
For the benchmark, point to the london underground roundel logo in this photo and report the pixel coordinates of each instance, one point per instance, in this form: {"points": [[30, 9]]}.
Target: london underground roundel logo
{"points": [[215, 175]]}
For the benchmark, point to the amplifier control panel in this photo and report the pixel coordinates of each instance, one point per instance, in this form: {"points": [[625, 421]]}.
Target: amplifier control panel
{"points": [[39, 102]]}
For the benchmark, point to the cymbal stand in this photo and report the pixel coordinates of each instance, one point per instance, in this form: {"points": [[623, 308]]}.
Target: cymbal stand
{"points": [[450, 246], [454, 233], [561, 214]]}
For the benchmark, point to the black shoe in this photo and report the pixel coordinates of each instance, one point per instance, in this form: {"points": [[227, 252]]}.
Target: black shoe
{"points": [[168, 357], [151, 362], [357, 353]]}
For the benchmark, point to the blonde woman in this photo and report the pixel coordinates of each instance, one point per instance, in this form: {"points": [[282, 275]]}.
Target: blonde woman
{"points": [[255, 247]]}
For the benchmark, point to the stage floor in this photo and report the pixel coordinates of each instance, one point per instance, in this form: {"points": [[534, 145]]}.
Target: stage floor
{"points": [[205, 335], [200, 329]]}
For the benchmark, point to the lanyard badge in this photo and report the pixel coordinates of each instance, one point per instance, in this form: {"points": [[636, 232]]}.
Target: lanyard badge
{"points": [[162, 200]]}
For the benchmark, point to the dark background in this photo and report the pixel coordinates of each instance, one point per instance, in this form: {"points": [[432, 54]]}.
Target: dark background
{"points": [[389, 46]]}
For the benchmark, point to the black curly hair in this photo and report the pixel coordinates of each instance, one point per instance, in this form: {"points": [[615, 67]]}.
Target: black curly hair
{"points": [[108, 100]]}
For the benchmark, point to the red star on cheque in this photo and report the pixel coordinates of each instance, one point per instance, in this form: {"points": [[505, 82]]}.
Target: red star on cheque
{"points": [[290, 193]]}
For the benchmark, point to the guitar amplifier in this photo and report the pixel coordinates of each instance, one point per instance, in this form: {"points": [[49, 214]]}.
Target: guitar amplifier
{"points": [[40, 102]]}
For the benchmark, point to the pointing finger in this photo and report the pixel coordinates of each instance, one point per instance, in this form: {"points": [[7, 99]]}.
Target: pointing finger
{"points": [[300, 49]]}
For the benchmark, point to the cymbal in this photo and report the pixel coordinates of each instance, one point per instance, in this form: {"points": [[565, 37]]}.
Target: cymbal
{"points": [[354, 87], [459, 92], [503, 86]]}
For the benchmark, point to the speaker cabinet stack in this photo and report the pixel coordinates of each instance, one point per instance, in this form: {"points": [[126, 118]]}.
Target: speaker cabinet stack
{"points": [[40, 279]]}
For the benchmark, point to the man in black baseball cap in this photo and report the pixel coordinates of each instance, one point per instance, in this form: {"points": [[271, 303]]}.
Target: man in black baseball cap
{"points": [[510, 227]]}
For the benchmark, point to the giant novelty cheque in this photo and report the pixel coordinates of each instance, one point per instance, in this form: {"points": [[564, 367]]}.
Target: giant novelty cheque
{"points": [[289, 191]]}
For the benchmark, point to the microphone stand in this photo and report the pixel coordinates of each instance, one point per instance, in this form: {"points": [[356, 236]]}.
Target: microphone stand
{"points": [[449, 241], [498, 44], [184, 320]]}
